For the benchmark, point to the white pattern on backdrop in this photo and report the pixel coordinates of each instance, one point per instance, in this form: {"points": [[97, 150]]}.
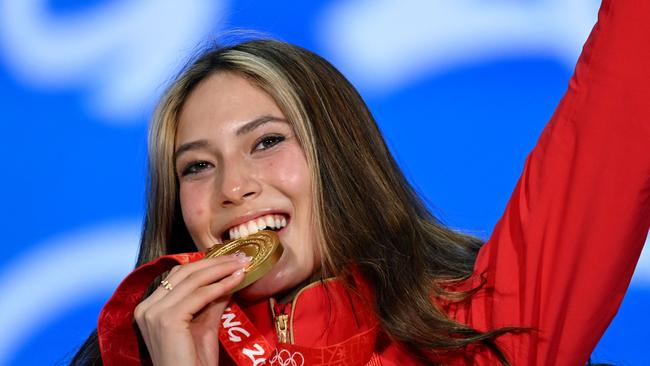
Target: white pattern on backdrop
{"points": [[384, 45], [121, 52], [59, 274]]}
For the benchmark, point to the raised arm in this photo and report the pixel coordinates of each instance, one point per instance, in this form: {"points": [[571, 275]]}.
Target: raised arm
{"points": [[561, 257]]}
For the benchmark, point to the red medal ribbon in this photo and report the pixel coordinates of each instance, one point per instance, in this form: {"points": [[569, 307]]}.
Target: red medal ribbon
{"points": [[248, 347], [240, 338]]}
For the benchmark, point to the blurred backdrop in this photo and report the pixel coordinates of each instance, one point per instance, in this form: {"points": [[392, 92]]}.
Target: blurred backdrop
{"points": [[460, 88]]}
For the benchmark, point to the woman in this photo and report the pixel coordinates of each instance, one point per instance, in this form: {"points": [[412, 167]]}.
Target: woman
{"points": [[265, 134]]}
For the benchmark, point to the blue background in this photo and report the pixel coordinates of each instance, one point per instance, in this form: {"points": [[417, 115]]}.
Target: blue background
{"points": [[460, 89]]}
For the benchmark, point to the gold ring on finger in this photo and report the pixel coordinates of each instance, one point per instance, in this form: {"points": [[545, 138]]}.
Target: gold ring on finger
{"points": [[166, 285]]}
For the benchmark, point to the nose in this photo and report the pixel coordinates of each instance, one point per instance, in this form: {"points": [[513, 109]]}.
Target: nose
{"points": [[238, 185]]}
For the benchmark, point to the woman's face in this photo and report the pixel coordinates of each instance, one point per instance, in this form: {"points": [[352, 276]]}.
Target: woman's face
{"points": [[240, 167]]}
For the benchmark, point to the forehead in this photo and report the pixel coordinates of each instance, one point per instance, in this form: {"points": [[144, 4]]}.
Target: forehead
{"points": [[222, 102]]}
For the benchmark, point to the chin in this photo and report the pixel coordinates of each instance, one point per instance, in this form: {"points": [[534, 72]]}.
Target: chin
{"points": [[281, 278], [272, 283]]}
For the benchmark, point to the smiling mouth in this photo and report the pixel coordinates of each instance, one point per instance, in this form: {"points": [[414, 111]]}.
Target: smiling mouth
{"points": [[274, 222]]}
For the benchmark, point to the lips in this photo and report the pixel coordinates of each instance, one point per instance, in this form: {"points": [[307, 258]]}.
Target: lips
{"points": [[252, 223]]}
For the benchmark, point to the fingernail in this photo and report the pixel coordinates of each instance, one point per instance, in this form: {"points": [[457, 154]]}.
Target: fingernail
{"points": [[238, 272], [244, 259], [238, 254]]}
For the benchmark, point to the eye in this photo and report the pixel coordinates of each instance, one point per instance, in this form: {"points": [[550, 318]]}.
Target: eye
{"points": [[268, 141], [195, 168]]}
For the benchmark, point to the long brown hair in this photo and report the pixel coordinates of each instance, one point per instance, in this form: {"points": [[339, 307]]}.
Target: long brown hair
{"points": [[367, 215]]}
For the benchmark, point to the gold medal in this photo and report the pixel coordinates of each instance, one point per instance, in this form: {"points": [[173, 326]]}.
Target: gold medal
{"points": [[263, 247]]}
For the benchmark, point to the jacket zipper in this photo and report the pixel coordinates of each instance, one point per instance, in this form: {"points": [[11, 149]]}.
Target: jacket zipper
{"points": [[281, 316]]}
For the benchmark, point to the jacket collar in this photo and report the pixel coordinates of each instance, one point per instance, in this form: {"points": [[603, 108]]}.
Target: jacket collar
{"points": [[322, 313]]}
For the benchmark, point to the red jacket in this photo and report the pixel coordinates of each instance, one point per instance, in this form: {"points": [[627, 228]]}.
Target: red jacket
{"points": [[559, 260]]}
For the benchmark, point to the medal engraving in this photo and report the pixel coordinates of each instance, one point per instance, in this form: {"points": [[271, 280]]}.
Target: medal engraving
{"points": [[263, 247]]}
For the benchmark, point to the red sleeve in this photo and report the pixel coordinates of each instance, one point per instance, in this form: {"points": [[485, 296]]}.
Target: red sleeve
{"points": [[561, 257]]}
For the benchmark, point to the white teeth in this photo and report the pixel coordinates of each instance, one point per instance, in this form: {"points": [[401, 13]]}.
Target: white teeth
{"points": [[261, 223], [269, 221], [255, 225], [252, 227]]}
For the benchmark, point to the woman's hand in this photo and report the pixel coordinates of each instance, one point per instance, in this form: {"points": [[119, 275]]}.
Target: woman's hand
{"points": [[180, 326]]}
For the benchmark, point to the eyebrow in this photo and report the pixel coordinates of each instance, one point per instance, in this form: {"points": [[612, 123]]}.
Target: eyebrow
{"points": [[246, 128], [250, 126]]}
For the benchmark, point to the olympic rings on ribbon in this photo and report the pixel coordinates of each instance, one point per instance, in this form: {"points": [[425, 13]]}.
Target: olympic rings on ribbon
{"points": [[286, 358]]}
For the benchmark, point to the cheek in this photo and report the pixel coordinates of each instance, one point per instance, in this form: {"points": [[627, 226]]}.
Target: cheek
{"points": [[293, 179], [291, 176], [296, 186], [194, 208]]}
